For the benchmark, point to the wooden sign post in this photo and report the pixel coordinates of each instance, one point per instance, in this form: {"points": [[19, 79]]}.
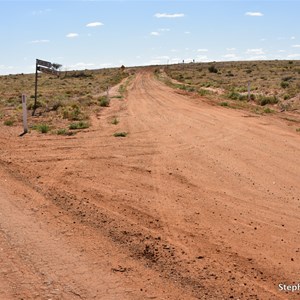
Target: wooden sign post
{"points": [[24, 107], [249, 90], [44, 67]]}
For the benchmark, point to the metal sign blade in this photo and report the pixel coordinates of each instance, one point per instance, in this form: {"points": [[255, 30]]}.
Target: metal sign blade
{"points": [[44, 63], [48, 71]]}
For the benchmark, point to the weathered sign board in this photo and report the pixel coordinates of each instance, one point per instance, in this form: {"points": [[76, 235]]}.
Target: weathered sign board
{"points": [[44, 67], [44, 63], [47, 70]]}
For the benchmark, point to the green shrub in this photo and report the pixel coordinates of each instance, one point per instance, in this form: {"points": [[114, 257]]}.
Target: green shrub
{"points": [[9, 122], [203, 92], [42, 128], [284, 84], [120, 134], [224, 104], [115, 121], [264, 100], [212, 69], [79, 125], [104, 101], [268, 110], [64, 132]]}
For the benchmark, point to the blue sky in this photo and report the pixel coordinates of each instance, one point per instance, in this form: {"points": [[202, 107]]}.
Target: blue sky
{"points": [[97, 34]]}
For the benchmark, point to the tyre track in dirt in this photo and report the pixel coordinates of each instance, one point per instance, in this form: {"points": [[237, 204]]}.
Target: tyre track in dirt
{"points": [[188, 199]]}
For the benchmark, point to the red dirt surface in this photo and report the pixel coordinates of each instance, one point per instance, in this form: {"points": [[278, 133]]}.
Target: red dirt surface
{"points": [[197, 202]]}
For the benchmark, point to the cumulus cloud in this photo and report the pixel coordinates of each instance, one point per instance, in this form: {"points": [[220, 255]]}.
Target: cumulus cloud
{"points": [[229, 55], [293, 56], [72, 35], [41, 12], [202, 58], [3, 67], [164, 29], [94, 24], [154, 33], [254, 14], [202, 50], [164, 15], [80, 66], [39, 42], [296, 46], [255, 51]]}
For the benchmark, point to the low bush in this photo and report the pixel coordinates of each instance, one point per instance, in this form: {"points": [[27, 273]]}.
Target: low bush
{"points": [[120, 134], [42, 128], [224, 104], [9, 122], [104, 101], [79, 125], [264, 100]]}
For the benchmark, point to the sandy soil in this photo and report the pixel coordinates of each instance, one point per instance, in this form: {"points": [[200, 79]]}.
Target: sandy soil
{"points": [[197, 202]]}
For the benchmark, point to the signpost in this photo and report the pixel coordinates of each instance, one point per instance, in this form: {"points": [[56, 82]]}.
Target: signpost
{"points": [[24, 106], [44, 67], [249, 90]]}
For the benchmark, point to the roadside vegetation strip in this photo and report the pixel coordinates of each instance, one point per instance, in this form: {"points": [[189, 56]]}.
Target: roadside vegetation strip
{"points": [[61, 101], [269, 82]]}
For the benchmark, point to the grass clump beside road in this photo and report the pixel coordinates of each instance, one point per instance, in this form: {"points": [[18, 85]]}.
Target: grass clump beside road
{"points": [[79, 125], [225, 104], [104, 101], [64, 132], [115, 121], [120, 134], [9, 122], [42, 128]]}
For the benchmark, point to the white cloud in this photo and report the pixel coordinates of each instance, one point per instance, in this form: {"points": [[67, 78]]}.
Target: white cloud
{"points": [[203, 58], [255, 51], [230, 49], [2, 67], [296, 46], [281, 51], [80, 66], [39, 42], [293, 37], [154, 62], [41, 12], [164, 29], [187, 32], [293, 56], [254, 14], [232, 55], [163, 57], [164, 15], [105, 65], [202, 50], [72, 35], [94, 24], [257, 57], [154, 33]]}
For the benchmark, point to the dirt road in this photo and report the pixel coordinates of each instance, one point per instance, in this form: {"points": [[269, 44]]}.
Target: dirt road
{"points": [[197, 202]]}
